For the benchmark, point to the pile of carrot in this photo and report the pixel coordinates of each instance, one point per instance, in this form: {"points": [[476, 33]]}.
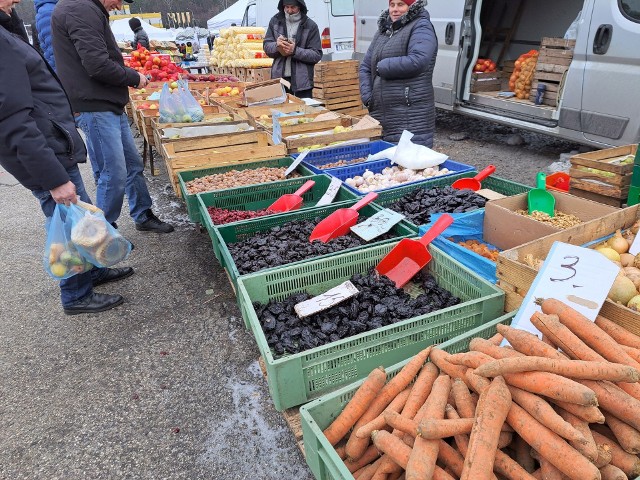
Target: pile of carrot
{"points": [[566, 406]]}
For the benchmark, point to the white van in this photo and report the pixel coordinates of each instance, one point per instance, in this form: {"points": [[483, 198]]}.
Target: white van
{"points": [[334, 19], [598, 100]]}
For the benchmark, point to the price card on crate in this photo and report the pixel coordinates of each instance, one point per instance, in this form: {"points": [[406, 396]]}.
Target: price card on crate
{"points": [[577, 276], [377, 224], [326, 300], [634, 249], [296, 162], [331, 192]]}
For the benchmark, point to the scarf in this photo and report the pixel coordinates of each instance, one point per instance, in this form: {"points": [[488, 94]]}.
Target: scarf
{"points": [[293, 22]]}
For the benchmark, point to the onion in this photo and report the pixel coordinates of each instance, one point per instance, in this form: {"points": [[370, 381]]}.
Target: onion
{"points": [[622, 290], [634, 303], [635, 278], [626, 259], [629, 237], [618, 243], [610, 253]]}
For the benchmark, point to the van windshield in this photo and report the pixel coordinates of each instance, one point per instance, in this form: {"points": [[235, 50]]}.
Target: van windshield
{"points": [[341, 8]]}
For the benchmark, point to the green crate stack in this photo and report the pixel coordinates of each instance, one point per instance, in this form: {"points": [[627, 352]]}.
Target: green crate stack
{"points": [[188, 175], [298, 378], [318, 415], [634, 190], [250, 198], [239, 231]]}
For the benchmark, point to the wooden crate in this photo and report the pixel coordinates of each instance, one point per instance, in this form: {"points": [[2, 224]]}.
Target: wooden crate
{"points": [[515, 277], [209, 120], [325, 72], [554, 60], [373, 133], [234, 105], [334, 90], [342, 103], [486, 82], [253, 74]]}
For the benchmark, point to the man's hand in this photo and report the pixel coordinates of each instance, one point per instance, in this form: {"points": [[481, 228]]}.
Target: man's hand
{"points": [[65, 193], [289, 48], [143, 80]]}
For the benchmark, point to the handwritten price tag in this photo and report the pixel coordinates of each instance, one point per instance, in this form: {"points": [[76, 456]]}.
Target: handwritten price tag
{"points": [[376, 225], [635, 246], [331, 192], [296, 162], [327, 300], [577, 276]]}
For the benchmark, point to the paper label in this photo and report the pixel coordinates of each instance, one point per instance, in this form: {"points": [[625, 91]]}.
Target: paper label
{"points": [[296, 162], [635, 246], [277, 128], [490, 194], [326, 116], [577, 276], [331, 192], [326, 300], [366, 122], [377, 224]]}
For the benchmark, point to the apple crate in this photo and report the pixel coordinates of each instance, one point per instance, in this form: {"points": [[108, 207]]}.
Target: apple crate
{"points": [[342, 132], [210, 120], [316, 416], [234, 105], [298, 378]]}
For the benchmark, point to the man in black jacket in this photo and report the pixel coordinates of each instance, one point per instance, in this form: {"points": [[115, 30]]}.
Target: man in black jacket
{"points": [[41, 148], [92, 71]]}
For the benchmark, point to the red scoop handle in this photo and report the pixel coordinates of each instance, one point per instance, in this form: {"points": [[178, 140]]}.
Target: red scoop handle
{"points": [[485, 173], [368, 198], [305, 188], [440, 226]]}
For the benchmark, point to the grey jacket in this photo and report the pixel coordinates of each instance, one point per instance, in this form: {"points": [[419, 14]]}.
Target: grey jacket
{"points": [[308, 50], [140, 37], [396, 75]]}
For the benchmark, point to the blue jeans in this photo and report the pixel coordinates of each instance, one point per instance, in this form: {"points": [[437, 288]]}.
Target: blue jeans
{"points": [[76, 288], [117, 165]]}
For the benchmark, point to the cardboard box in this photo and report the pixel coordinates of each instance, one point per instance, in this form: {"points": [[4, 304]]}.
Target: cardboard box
{"points": [[267, 92], [506, 229]]}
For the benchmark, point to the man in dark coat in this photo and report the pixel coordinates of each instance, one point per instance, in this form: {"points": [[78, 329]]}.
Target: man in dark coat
{"points": [[293, 41], [140, 37], [41, 148], [396, 73]]}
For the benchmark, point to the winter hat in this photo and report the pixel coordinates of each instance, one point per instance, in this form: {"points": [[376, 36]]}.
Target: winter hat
{"points": [[134, 23], [408, 2], [293, 3]]}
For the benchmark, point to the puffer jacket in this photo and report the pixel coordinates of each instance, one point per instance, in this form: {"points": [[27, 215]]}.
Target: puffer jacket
{"points": [[44, 9], [140, 37], [308, 50], [38, 136], [396, 75]]}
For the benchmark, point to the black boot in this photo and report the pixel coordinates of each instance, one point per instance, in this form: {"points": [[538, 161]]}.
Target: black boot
{"points": [[95, 303], [154, 224]]}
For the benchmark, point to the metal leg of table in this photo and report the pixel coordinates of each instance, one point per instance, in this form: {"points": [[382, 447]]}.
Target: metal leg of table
{"points": [[145, 145], [151, 166]]}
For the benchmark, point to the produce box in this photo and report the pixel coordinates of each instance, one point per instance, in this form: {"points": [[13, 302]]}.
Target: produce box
{"points": [[349, 128], [237, 232], [213, 119], [217, 151], [187, 175], [603, 175], [317, 159], [511, 229], [486, 82], [234, 105], [515, 276], [298, 378], [350, 171], [556, 55], [258, 197], [316, 416], [306, 123], [265, 113]]}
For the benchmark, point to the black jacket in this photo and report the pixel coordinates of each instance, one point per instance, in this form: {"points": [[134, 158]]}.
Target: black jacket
{"points": [[88, 60], [140, 37], [308, 50], [38, 136]]}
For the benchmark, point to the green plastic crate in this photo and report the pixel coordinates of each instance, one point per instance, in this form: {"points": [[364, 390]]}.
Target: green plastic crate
{"points": [[188, 175], [321, 457], [239, 231], [250, 198], [298, 378]]}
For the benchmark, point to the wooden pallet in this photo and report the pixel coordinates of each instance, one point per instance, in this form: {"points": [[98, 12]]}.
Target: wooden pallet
{"points": [[349, 101], [336, 91], [325, 72], [554, 60]]}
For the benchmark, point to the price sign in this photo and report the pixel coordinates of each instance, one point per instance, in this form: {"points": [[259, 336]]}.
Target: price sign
{"points": [[577, 276], [635, 246], [331, 192], [296, 162], [277, 130], [376, 225], [326, 300]]}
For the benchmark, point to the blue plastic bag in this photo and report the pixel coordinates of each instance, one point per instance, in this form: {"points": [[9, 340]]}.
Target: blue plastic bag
{"points": [[61, 258], [179, 106]]}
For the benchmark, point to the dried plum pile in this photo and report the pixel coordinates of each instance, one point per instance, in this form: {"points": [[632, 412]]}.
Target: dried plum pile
{"points": [[379, 303], [418, 205], [289, 243]]}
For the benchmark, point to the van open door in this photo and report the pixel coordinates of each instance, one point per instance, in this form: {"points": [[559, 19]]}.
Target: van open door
{"points": [[610, 95]]}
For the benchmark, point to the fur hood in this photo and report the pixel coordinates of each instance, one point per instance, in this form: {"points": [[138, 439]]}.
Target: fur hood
{"points": [[386, 26]]}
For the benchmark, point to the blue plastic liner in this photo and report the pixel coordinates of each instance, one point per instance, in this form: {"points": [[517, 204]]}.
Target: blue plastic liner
{"points": [[466, 226], [316, 158]]}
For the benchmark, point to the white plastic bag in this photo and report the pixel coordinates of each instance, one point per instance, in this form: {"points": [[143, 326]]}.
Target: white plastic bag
{"points": [[414, 156], [386, 154]]}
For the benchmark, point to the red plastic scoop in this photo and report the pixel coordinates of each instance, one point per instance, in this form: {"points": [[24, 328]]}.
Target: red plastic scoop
{"points": [[291, 201], [410, 256], [340, 221], [474, 183]]}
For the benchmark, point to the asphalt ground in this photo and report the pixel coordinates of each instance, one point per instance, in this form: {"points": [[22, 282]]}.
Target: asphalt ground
{"points": [[166, 386]]}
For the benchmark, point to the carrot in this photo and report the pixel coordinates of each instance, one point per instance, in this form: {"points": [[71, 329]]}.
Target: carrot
{"points": [[627, 436], [549, 472], [470, 359], [440, 474], [464, 403], [615, 400], [370, 470], [434, 429], [441, 359], [370, 455], [356, 446], [632, 352], [618, 333], [537, 474], [496, 339], [486, 347], [378, 423], [425, 452], [394, 476], [451, 458], [553, 386], [551, 446], [628, 463], [401, 423], [579, 369], [527, 343], [476, 382], [585, 445], [611, 472], [356, 407], [391, 445], [420, 390], [604, 455], [589, 414], [491, 412], [340, 451], [523, 454], [562, 336], [504, 439]]}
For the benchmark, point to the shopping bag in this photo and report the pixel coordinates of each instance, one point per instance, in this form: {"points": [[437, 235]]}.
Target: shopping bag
{"points": [[179, 106], [95, 238], [414, 156], [61, 258]]}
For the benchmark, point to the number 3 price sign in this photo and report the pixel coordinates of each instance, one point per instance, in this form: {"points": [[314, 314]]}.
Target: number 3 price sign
{"points": [[577, 276]]}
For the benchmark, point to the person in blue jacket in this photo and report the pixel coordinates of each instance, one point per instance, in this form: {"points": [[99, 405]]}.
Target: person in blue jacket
{"points": [[396, 73], [44, 8]]}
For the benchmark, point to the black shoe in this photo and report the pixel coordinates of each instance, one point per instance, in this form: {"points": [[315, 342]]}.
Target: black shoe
{"points": [[95, 303], [114, 274], [154, 224], [114, 225]]}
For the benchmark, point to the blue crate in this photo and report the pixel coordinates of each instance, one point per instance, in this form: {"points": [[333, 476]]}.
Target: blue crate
{"points": [[316, 158], [376, 167]]}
